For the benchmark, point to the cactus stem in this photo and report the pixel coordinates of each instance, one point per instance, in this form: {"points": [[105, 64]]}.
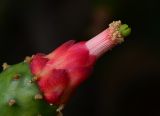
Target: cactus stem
{"points": [[5, 66], [16, 77], [38, 96], [39, 115], [28, 59], [11, 102]]}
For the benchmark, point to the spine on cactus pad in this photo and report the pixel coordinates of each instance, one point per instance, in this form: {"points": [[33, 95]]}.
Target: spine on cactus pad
{"points": [[43, 84]]}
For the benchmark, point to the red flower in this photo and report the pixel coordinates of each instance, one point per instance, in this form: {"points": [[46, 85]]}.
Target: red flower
{"points": [[62, 71]]}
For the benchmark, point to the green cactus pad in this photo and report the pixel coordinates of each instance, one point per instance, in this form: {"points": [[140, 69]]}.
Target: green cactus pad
{"points": [[20, 96]]}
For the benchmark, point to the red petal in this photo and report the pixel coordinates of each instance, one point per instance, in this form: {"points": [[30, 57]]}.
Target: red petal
{"points": [[38, 62], [78, 75], [54, 84], [61, 50], [76, 55]]}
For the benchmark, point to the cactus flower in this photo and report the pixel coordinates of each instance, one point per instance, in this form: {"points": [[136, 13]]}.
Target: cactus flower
{"points": [[42, 84], [63, 70]]}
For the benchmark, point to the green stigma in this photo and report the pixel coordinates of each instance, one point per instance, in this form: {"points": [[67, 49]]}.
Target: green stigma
{"points": [[125, 30]]}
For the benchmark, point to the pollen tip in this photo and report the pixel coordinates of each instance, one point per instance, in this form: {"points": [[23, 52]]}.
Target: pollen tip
{"points": [[125, 30], [108, 38], [119, 31]]}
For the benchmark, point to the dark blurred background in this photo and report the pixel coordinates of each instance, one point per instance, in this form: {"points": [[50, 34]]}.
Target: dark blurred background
{"points": [[125, 82]]}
